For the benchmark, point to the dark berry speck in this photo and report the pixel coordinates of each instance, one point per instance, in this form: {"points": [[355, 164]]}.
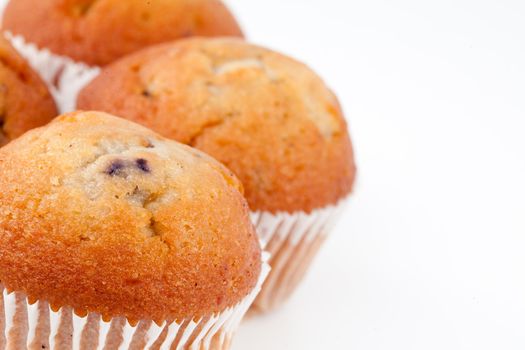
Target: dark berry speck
{"points": [[143, 165], [115, 168]]}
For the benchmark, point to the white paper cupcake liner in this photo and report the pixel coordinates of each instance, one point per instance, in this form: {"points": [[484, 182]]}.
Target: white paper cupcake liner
{"points": [[292, 239], [37, 326], [3, 4], [64, 77]]}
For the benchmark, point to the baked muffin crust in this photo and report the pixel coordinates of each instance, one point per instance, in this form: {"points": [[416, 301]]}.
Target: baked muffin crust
{"points": [[105, 216], [97, 32], [266, 116], [25, 101]]}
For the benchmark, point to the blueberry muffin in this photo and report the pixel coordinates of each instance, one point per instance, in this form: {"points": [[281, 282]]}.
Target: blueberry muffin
{"points": [[107, 221], [97, 32], [25, 101], [267, 117]]}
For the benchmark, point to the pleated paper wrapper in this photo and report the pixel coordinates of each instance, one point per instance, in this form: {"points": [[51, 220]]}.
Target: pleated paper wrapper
{"points": [[37, 326], [292, 240], [64, 77]]}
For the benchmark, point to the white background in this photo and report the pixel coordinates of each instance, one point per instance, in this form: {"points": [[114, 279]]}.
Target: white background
{"points": [[431, 253]]}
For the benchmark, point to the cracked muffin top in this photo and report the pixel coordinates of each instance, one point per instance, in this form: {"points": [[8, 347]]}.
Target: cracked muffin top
{"points": [[103, 215], [25, 101], [97, 32], [267, 117]]}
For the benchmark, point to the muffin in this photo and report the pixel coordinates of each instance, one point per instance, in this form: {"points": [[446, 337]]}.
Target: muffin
{"points": [[267, 117], [112, 235], [99, 32], [25, 101], [65, 39]]}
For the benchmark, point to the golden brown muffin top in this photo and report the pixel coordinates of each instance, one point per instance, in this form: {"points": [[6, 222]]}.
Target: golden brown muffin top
{"points": [[98, 32], [103, 215], [267, 117], [25, 101]]}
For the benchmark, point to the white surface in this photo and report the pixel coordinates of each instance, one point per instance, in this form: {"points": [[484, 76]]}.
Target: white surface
{"points": [[431, 253]]}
